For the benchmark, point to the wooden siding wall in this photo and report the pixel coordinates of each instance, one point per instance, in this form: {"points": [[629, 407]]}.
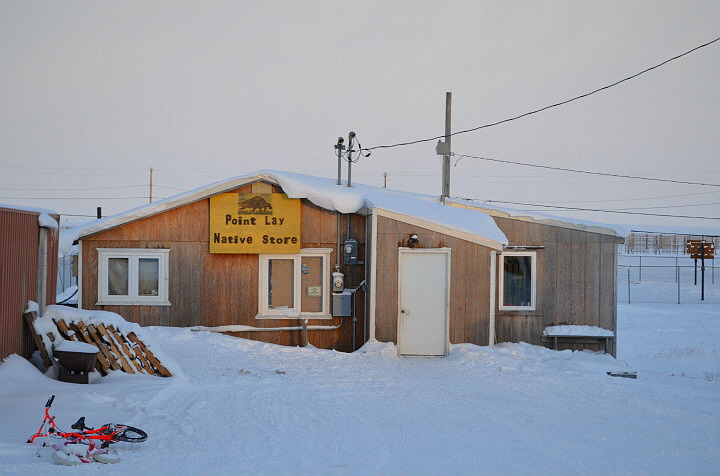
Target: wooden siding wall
{"points": [[222, 289], [19, 237], [576, 276], [469, 289]]}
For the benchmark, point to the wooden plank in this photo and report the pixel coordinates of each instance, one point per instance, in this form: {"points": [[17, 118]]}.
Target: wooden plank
{"points": [[563, 289], [103, 357], [64, 330], [592, 284], [100, 365], [127, 352], [608, 287], [386, 285], [105, 346], [72, 333], [577, 284], [535, 234], [29, 318], [187, 223], [89, 266], [311, 223], [458, 329], [160, 369], [82, 331], [124, 365], [148, 368], [528, 328], [547, 283], [475, 289]]}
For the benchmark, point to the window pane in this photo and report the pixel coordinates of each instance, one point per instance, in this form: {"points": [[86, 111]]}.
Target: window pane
{"points": [[148, 276], [311, 279], [118, 276], [281, 284], [517, 281]]}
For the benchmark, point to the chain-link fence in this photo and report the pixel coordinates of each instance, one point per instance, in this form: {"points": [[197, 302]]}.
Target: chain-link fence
{"points": [[667, 279]]}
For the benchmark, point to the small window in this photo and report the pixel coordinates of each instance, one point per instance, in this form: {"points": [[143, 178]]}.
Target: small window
{"points": [[517, 281], [293, 285], [133, 276]]}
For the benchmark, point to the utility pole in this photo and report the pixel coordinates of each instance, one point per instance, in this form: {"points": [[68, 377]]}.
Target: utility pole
{"points": [[150, 184], [443, 148]]}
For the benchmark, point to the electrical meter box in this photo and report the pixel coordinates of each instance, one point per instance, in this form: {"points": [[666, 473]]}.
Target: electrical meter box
{"points": [[342, 303], [350, 252]]}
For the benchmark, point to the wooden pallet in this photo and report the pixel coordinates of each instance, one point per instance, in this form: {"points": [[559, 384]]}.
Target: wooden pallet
{"points": [[117, 350]]}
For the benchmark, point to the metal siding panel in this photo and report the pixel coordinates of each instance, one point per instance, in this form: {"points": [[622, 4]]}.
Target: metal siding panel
{"points": [[19, 230]]}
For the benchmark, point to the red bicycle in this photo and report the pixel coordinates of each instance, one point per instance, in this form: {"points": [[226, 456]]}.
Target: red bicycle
{"points": [[85, 444]]}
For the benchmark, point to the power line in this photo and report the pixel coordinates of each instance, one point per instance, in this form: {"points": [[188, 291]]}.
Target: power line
{"points": [[607, 200], [605, 174], [71, 189], [557, 207], [76, 198], [671, 206], [561, 103]]}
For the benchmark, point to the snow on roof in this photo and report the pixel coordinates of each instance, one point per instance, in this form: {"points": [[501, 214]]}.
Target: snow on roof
{"points": [[363, 199], [325, 193], [46, 221], [563, 222], [28, 209]]}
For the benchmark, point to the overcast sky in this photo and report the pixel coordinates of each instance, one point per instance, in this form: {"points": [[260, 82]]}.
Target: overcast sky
{"points": [[95, 93]]}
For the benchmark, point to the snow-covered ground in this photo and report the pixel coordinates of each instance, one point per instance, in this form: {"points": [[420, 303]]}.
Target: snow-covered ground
{"points": [[241, 407]]}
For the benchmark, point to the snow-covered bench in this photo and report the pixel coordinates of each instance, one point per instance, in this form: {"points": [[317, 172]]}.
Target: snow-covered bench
{"points": [[577, 333]]}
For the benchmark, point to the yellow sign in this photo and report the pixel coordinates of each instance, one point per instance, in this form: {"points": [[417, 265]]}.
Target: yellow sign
{"points": [[254, 223]]}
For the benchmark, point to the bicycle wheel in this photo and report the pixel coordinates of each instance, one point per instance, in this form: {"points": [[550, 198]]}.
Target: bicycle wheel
{"points": [[128, 433]]}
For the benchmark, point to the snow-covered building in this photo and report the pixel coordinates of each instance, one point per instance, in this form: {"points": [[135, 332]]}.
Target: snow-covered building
{"points": [[289, 259], [28, 265]]}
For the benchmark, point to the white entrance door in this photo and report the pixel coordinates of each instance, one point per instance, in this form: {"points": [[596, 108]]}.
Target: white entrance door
{"points": [[423, 301]]}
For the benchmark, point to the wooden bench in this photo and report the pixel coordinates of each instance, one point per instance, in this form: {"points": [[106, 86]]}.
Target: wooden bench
{"points": [[578, 333]]}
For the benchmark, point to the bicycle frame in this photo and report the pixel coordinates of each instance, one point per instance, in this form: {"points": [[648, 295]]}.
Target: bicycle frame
{"points": [[48, 429]]}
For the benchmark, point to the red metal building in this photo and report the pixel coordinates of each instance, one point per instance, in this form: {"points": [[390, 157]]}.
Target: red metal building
{"points": [[28, 243]]}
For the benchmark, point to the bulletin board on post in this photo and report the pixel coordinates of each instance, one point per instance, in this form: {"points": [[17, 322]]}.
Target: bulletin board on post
{"points": [[254, 223]]}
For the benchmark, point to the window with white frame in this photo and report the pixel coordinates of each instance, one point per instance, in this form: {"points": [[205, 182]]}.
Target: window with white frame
{"points": [[517, 280], [295, 285], [133, 276]]}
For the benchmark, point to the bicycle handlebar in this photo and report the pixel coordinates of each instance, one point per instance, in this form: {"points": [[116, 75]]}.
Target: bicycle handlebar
{"points": [[49, 402]]}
